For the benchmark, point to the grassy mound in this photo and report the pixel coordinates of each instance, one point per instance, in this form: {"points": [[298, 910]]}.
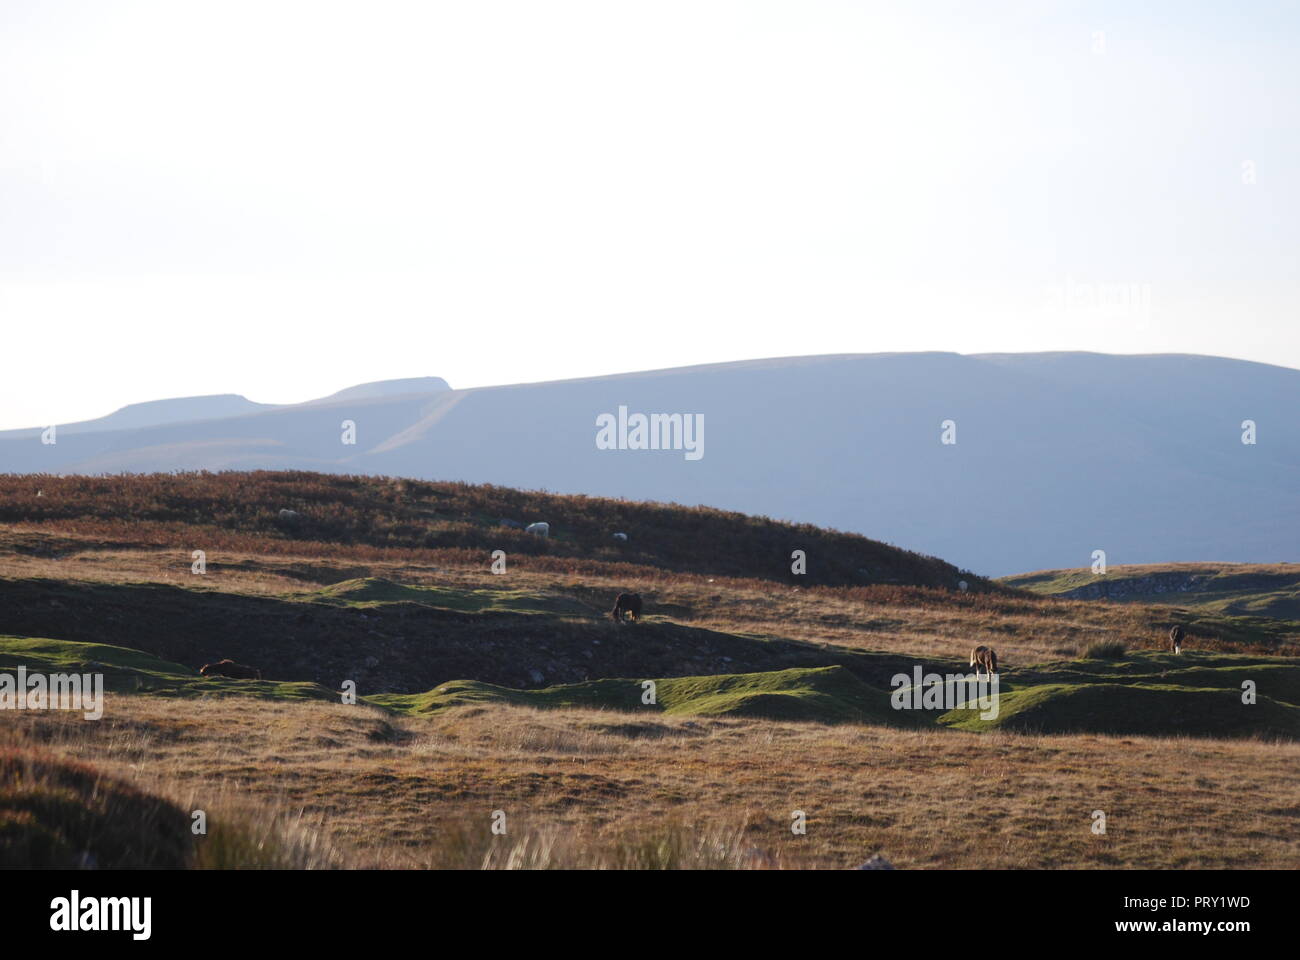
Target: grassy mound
{"points": [[1275, 677], [130, 671], [364, 590], [1133, 709], [54, 813], [1143, 694], [1152, 694], [826, 694]]}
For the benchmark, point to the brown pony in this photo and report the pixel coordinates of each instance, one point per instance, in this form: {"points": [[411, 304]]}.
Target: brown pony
{"points": [[228, 668], [985, 658], [626, 603]]}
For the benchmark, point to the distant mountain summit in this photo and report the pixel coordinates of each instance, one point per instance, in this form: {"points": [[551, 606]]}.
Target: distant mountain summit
{"points": [[997, 463], [154, 412], [389, 388]]}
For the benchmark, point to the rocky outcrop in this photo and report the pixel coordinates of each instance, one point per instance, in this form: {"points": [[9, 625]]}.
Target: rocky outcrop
{"points": [[1110, 588]]}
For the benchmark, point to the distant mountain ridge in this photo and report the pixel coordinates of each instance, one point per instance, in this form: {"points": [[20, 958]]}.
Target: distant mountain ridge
{"points": [[1056, 455], [157, 413], [153, 413]]}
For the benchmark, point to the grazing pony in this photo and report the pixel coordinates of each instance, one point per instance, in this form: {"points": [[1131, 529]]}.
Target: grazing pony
{"points": [[1176, 636], [985, 658], [626, 603], [228, 668]]}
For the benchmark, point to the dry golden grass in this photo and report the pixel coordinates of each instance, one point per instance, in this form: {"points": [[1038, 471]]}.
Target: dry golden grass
{"points": [[359, 788]]}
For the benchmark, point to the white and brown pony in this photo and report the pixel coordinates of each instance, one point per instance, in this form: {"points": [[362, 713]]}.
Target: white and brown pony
{"points": [[984, 658]]}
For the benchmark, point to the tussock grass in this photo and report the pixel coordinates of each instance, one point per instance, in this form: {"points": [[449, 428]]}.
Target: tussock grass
{"points": [[1105, 650], [61, 813], [468, 846], [923, 798]]}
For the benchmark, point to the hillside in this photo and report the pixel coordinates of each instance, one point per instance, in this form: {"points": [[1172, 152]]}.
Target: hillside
{"points": [[237, 510], [1224, 597], [478, 691], [1237, 589], [1056, 455]]}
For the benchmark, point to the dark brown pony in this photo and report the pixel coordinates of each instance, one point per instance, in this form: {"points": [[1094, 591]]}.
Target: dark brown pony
{"points": [[984, 658], [228, 668], [1176, 637], [627, 603]]}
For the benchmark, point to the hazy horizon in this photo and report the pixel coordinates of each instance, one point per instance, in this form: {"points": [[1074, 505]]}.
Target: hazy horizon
{"points": [[453, 385]]}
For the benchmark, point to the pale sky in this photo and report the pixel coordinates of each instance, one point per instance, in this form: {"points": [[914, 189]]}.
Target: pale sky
{"points": [[283, 199]]}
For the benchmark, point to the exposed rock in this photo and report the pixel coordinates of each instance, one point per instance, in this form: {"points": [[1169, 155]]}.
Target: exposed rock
{"points": [[1155, 583]]}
